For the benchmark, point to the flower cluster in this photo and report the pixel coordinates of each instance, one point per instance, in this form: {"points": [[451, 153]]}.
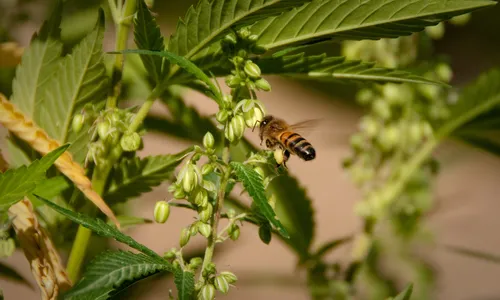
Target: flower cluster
{"points": [[108, 130]]}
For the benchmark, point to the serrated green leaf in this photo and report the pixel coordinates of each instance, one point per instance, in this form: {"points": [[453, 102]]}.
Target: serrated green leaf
{"points": [[137, 175], [253, 184], [100, 227], [80, 79], [184, 281], [39, 63], [186, 65], [17, 183], [323, 20], [115, 268], [96, 294], [337, 68], [476, 99], [406, 293], [51, 187], [147, 36], [295, 211], [130, 221], [205, 23]]}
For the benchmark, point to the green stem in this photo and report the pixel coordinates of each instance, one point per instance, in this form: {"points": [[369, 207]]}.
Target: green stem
{"points": [[144, 110], [123, 28], [83, 234], [219, 204]]}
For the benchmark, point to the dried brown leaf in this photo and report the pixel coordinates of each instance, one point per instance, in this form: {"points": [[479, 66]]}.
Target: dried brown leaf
{"points": [[10, 54], [16, 122]]}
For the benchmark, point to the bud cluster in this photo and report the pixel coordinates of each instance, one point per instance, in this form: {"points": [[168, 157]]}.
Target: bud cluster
{"points": [[399, 121], [214, 282], [108, 130]]}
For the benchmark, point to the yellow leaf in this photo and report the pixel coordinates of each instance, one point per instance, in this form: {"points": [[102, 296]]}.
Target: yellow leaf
{"points": [[37, 138]]}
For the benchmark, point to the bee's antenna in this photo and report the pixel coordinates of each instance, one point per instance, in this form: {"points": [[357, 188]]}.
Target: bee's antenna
{"points": [[255, 125]]}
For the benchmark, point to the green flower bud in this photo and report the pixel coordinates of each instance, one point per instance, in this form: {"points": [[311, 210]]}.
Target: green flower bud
{"points": [[238, 125], [7, 247], [179, 194], [208, 140], [206, 213], [201, 198], [444, 72], [427, 130], [77, 122], [194, 228], [265, 234], [253, 116], [252, 69], [196, 157], [247, 105], [190, 179], [114, 137], [195, 262], [369, 126], [460, 20], [244, 33], [230, 38], [130, 141], [205, 229], [231, 213], [364, 96], [209, 186], [210, 269], [229, 132], [207, 292], [233, 81], [234, 232], [103, 129], [170, 254], [207, 169], [381, 109], [392, 93], [161, 211], [239, 59], [221, 116], [185, 236], [435, 32], [228, 99], [230, 277], [389, 138], [415, 133], [263, 85], [221, 284]]}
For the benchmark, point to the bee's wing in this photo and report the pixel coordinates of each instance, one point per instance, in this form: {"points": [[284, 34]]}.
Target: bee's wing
{"points": [[306, 125]]}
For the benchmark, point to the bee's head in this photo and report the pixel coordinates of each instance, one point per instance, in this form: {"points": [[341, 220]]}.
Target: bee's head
{"points": [[266, 120]]}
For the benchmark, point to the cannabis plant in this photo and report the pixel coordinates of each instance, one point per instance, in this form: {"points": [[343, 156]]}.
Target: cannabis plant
{"points": [[74, 135]]}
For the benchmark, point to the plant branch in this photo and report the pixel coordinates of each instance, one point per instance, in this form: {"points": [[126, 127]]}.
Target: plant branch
{"points": [[219, 204], [144, 110], [123, 27]]}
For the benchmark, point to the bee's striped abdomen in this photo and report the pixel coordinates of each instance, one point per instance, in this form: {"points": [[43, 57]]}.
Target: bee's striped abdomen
{"points": [[298, 145]]}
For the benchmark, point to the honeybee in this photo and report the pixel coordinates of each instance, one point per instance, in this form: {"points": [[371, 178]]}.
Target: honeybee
{"points": [[283, 138]]}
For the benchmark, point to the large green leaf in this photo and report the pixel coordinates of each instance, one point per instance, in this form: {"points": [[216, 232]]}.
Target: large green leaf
{"points": [[295, 211], [337, 68], [100, 227], [135, 176], [80, 79], [323, 20], [17, 183], [148, 36], [38, 65], [184, 281], [205, 23], [254, 185], [475, 100], [115, 268]]}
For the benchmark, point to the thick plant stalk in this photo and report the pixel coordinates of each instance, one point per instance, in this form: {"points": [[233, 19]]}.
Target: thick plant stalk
{"points": [[10, 54], [44, 260], [38, 139]]}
